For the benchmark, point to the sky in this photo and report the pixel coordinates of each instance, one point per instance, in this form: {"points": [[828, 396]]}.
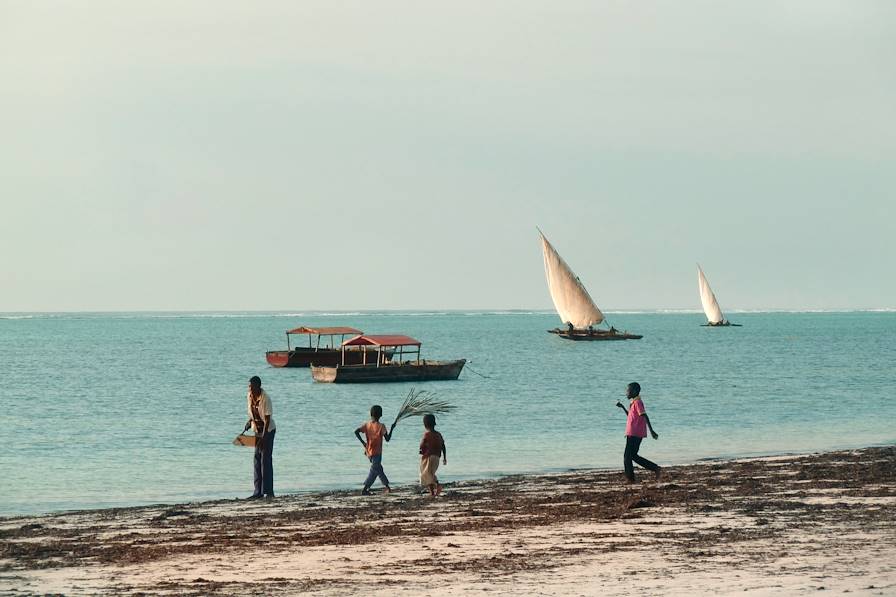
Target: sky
{"points": [[214, 155]]}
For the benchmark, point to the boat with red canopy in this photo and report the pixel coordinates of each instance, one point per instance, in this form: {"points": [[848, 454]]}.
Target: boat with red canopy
{"points": [[323, 348], [380, 364]]}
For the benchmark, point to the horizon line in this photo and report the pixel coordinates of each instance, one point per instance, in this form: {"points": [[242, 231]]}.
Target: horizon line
{"points": [[348, 311]]}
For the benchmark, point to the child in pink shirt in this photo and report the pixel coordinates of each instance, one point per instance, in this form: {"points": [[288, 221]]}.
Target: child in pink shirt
{"points": [[636, 430]]}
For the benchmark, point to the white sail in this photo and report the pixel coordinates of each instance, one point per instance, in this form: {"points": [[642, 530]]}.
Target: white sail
{"points": [[573, 303], [710, 304]]}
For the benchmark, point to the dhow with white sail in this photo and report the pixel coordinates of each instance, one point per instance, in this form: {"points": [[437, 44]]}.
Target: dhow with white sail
{"points": [[574, 305], [711, 307]]}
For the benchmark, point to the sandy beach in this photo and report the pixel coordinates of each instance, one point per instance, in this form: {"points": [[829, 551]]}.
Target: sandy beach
{"points": [[781, 525]]}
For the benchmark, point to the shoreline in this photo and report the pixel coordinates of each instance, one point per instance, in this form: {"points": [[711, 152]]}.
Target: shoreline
{"points": [[782, 523], [351, 490]]}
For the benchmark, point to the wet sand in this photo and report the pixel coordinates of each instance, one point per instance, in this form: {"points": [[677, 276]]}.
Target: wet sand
{"points": [[784, 525]]}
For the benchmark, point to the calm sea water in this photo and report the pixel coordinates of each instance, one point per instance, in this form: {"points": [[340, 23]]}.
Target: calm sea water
{"points": [[124, 409]]}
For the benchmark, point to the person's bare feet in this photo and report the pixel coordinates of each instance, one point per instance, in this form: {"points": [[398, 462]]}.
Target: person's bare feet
{"points": [[629, 482], [438, 490], [387, 489]]}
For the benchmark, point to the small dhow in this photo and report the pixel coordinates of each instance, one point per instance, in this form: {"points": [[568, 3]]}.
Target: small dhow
{"points": [[574, 305], [378, 365], [711, 307]]}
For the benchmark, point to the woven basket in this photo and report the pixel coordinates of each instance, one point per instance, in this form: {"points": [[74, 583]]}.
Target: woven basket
{"points": [[245, 440]]}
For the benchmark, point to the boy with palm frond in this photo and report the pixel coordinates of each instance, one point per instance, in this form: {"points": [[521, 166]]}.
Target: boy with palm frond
{"points": [[374, 432]]}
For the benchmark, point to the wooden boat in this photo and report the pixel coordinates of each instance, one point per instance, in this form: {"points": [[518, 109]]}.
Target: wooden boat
{"points": [[592, 334], [378, 365], [714, 317], [324, 348], [574, 305]]}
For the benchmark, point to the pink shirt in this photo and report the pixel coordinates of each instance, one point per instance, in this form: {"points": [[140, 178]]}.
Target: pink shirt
{"points": [[636, 426]]}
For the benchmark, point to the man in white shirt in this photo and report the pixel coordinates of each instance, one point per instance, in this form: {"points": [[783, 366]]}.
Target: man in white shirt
{"points": [[262, 422]]}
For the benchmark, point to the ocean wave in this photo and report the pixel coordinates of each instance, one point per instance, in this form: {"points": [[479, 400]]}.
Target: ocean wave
{"points": [[190, 315], [16, 316], [743, 311], [651, 311], [822, 311], [506, 312]]}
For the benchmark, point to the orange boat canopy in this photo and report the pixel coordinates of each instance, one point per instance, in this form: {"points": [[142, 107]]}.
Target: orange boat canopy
{"points": [[334, 331], [383, 340]]}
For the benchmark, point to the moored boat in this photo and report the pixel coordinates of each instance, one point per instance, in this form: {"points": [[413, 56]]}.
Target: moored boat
{"points": [[324, 348], [574, 305], [377, 363], [714, 317]]}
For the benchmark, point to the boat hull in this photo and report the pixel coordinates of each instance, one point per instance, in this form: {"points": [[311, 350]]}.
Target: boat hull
{"points": [[408, 371], [305, 357], [721, 325], [594, 335]]}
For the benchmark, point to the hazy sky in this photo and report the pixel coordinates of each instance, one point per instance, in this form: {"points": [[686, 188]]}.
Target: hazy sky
{"points": [[364, 155]]}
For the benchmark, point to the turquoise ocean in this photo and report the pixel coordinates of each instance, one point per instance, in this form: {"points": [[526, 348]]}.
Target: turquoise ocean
{"points": [[101, 410]]}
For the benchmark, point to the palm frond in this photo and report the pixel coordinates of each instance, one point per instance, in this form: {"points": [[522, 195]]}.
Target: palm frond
{"points": [[419, 403]]}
